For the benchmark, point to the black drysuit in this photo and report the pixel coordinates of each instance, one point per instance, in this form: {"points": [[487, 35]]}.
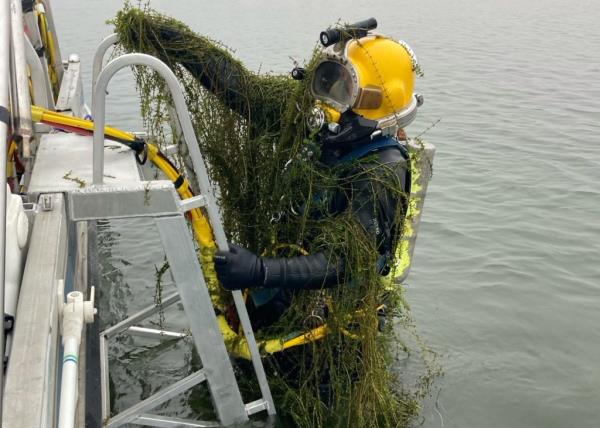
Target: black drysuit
{"points": [[375, 207]]}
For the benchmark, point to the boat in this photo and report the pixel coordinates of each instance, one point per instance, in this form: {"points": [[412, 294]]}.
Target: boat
{"points": [[60, 175]]}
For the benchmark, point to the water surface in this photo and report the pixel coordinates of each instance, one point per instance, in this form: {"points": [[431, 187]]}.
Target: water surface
{"points": [[505, 283]]}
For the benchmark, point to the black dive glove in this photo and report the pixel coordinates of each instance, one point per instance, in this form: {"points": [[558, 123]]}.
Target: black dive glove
{"points": [[239, 268]]}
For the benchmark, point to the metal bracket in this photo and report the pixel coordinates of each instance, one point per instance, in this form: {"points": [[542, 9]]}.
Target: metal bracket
{"points": [[257, 406], [151, 198], [46, 202], [193, 202]]}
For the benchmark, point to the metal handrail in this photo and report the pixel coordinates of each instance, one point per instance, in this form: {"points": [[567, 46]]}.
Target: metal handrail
{"points": [[106, 43], [23, 101], [4, 121], [103, 47], [98, 112]]}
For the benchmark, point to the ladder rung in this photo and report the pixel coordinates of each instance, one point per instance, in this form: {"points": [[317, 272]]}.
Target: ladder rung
{"points": [[171, 149], [153, 333], [168, 422], [257, 406], [135, 411], [141, 315]]}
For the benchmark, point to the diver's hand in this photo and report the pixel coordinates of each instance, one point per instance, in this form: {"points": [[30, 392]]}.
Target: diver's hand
{"points": [[239, 268]]}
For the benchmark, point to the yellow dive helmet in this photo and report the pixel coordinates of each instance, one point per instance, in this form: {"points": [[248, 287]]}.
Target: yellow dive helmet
{"points": [[367, 73]]}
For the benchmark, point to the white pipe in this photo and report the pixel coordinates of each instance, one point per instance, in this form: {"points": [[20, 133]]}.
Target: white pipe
{"points": [[69, 384], [42, 94], [75, 314], [4, 118]]}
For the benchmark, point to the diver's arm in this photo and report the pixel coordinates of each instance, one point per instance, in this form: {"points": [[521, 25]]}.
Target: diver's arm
{"points": [[240, 268], [302, 272], [178, 46], [215, 68]]}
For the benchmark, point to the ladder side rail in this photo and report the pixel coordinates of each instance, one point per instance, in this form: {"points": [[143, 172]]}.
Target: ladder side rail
{"points": [[182, 151], [188, 276], [4, 121], [104, 377], [98, 111]]}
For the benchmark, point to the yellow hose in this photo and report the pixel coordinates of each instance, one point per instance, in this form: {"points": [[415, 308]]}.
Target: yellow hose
{"points": [[203, 234], [39, 114], [31, 88]]}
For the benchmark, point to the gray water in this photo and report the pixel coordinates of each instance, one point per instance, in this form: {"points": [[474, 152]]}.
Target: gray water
{"points": [[505, 283]]}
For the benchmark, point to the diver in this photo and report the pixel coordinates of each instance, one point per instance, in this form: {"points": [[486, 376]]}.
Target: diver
{"points": [[363, 87]]}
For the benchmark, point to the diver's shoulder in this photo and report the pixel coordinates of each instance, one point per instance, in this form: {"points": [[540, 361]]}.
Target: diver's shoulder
{"points": [[393, 152]]}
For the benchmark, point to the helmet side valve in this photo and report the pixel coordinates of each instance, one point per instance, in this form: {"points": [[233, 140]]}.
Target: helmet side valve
{"points": [[298, 73]]}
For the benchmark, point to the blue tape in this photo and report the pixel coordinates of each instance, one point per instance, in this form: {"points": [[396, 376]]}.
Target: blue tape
{"points": [[72, 358]]}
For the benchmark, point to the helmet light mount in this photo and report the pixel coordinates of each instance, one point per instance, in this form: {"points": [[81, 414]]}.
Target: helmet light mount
{"points": [[359, 29]]}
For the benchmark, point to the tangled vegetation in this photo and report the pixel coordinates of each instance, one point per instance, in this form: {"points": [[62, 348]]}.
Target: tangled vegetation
{"points": [[253, 133]]}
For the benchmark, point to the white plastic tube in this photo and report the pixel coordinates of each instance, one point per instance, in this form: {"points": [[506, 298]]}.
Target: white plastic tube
{"points": [[75, 314], [69, 389]]}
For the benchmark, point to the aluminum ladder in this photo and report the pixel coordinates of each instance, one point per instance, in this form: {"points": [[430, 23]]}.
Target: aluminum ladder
{"points": [[101, 201]]}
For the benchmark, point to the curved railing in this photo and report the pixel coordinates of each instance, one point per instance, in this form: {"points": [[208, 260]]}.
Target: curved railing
{"points": [[106, 43]]}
